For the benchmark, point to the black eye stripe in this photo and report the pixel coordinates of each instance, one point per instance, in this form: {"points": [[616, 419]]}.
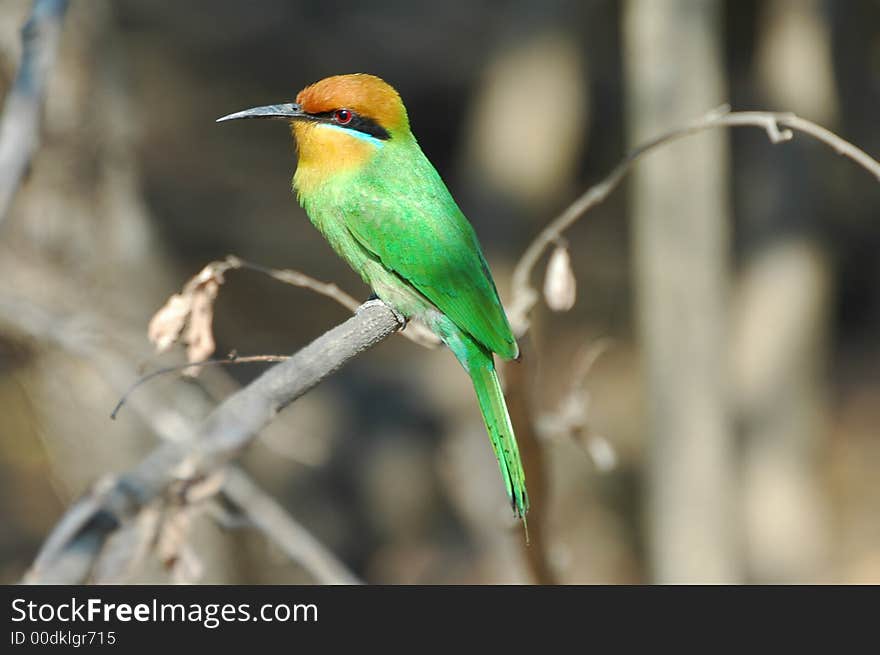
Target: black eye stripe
{"points": [[360, 123]]}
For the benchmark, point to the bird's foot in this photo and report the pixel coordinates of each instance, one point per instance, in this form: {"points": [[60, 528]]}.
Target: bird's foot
{"points": [[376, 300]]}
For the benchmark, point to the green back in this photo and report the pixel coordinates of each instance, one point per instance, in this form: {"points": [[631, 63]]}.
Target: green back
{"points": [[398, 208]]}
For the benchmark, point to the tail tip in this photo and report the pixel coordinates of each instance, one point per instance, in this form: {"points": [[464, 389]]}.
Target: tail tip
{"points": [[520, 506]]}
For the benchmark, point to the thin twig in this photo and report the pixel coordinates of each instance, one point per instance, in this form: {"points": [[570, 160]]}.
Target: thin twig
{"points": [[525, 296], [20, 122], [297, 279], [414, 331], [169, 324], [232, 358]]}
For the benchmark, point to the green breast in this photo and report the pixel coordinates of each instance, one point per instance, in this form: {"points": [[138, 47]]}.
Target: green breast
{"points": [[397, 210]]}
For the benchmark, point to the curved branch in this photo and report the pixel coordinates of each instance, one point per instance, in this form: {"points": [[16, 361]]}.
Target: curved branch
{"points": [[414, 331], [268, 516], [525, 295], [20, 122], [73, 547]]}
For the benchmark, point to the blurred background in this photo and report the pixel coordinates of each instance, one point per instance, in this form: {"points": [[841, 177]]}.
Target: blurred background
{"points": [[707, 411]]}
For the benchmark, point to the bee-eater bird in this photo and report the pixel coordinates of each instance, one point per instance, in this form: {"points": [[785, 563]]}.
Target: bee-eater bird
{"points": [[367, 186]]}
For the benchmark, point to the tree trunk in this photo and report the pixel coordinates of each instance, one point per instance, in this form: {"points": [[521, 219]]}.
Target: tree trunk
{"points": [[672, 55]]}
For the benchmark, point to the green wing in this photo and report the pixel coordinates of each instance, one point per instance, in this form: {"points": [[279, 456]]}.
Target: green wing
{"points": [[409, 221]]}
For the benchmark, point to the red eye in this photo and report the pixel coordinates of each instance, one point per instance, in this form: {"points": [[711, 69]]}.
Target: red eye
{"points": [[342, 116]]}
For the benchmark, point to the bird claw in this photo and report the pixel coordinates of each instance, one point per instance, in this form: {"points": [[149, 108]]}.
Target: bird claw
{"points": [[376, 301]]}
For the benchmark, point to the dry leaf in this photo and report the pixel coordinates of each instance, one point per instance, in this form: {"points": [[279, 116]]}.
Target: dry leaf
{"points": [[200, 333], [165, 327], [189, 316], [172, 546], [559, 284], [602, 452], [172, 535]]}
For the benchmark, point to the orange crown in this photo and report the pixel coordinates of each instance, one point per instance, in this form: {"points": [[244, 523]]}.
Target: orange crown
{"points": [[364, 94]]}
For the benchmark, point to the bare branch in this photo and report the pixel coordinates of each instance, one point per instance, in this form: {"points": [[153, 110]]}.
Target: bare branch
{"points": [[177, 319], [70, 552], [570, 418], [297, 542], [414, 331], [233, 358], [297, 279], [524, 294], [20, 122]]}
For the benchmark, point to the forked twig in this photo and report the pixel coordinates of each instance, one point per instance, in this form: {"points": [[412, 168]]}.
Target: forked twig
{"points": [[525, 296]]}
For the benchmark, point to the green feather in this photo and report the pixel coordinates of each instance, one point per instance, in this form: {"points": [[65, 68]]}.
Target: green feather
{"points": [[478, 362]]}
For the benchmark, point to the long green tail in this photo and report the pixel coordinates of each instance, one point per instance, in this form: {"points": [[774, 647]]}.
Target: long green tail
{"points": [[478, 362], [494, 409]]}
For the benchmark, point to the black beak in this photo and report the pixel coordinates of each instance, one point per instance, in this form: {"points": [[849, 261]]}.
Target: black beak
{"points": [[289, 111]]}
